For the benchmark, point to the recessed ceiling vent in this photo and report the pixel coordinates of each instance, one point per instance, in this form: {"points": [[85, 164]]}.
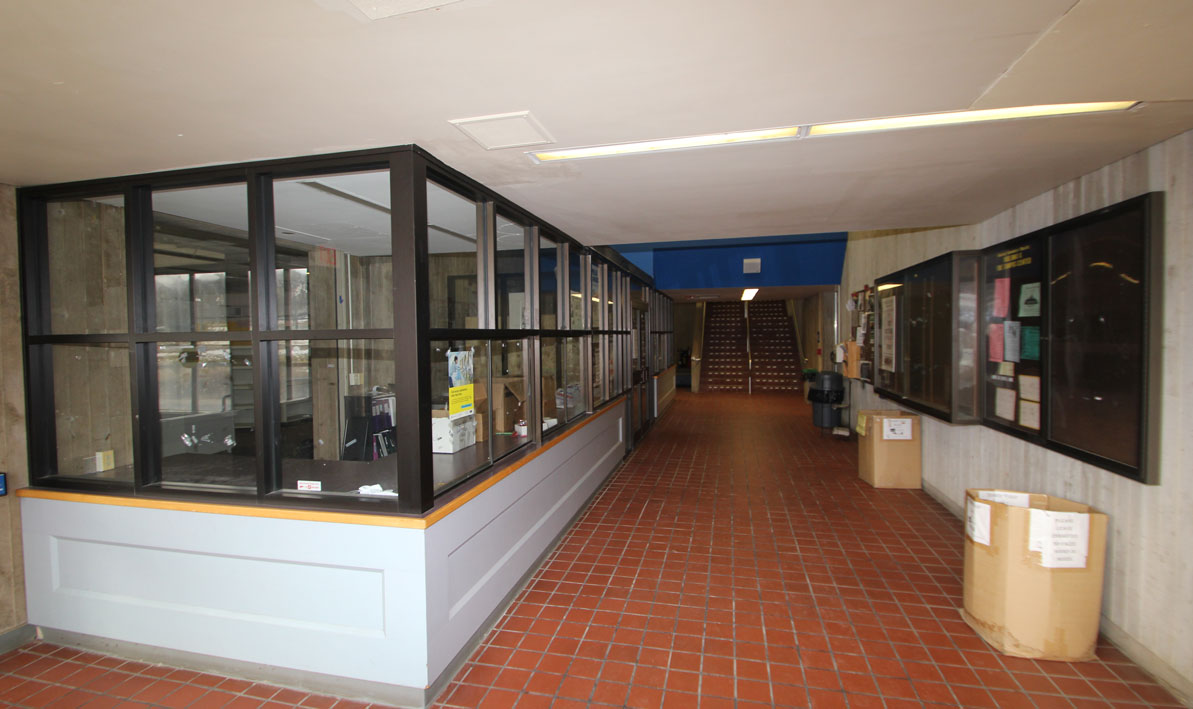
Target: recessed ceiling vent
{"points": [[504, 130], [751, 265], [381, 9]]}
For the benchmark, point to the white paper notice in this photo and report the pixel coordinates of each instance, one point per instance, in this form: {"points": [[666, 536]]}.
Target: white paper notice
{"points": [[1004, 404], [896, 429], [1029, 414], [1029, 387], [1006, 497], [1061, 538], [1010, 341], [977, 521]]}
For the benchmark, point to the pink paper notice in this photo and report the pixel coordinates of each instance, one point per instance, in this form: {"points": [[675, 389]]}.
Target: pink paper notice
{"points": [[1002, 297], [994, 341]]}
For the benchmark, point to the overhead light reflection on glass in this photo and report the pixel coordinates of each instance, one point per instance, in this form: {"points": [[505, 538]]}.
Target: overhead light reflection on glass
{"points": [[749, 293]]}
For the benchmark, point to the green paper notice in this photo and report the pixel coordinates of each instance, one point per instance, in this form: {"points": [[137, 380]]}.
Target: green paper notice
{"points": [[1029, 342]]}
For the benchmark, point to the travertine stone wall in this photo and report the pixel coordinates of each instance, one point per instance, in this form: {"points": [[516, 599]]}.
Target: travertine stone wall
{"points": [[1146, 605], [12, 419]]}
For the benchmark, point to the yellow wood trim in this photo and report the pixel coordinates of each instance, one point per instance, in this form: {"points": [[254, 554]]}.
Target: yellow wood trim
{"points": [[311, 515], [671, 368], [439, 513], [219, 509]]}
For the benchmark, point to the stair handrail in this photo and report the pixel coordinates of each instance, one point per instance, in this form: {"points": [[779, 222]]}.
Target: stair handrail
{"points": [[749, 353], [698, 345]]}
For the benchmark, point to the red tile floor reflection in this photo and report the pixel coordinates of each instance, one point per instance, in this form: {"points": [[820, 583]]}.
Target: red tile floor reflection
{"points": [[735, 560]]}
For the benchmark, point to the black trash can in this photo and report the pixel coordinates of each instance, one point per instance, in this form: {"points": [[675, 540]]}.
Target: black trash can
{"points": [[828, 389]]}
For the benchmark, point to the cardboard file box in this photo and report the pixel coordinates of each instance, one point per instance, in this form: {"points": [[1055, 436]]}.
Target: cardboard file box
{"points": [[449, 435], [889, 449], [1033, 573]]}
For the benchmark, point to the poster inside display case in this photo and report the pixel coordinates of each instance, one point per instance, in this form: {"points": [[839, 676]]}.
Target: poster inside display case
{"points": [[1013, 307]]}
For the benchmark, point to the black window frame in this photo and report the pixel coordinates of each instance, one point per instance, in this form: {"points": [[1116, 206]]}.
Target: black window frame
{"points": [[409, 167]]}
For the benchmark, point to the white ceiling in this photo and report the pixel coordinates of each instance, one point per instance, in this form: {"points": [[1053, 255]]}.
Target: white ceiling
{"points": [[97, 89]]}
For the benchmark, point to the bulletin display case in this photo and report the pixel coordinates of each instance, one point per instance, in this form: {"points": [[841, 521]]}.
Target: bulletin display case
{"points": [[926, 337], [1072, 322]]}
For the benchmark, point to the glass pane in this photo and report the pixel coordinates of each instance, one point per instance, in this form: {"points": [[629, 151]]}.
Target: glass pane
{"points": [[201, 259], [598, 391], [1097, 336], [610, 296], [595, 297], [573, 400], [460, 409], [511, 390], [611, 365], [93, 411], [337, 411], [333, 252], [548, 283], [552, 381], [451, 249], [511, 274], [205, 403], [576, 285], [87, 275]]}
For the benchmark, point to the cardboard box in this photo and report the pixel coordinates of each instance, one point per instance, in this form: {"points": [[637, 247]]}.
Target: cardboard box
{"points": [[548, 396], [1033, 573], [853, 360], [449, 435], [889, 449], [509, 399]]}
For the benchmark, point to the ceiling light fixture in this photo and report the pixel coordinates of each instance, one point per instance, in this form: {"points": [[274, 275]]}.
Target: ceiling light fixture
{"points": [[922, 120], [654, 146], [749, 293], [959, 117]]}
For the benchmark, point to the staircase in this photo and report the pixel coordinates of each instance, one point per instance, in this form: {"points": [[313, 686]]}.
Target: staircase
{"points": [[770, 364], [773, 350], [725, 366]]}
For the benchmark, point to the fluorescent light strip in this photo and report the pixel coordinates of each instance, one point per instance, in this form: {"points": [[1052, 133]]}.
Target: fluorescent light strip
{"points": [[651, 146], [960, 117], [749, 293], [822, 129]]}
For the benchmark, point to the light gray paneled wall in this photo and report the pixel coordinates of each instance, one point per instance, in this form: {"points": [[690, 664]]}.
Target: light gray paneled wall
{"points": [[478, 555], [346, 600], [1149, 574], [12, 418]]}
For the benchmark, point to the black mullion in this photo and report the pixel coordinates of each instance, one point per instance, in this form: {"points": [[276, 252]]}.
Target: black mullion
{"points": [[39, 364], [412, 324], [263, 310], [142, 317], [328, 334]]}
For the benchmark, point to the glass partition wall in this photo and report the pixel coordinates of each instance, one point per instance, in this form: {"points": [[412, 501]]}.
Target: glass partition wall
{"points": [[360, 331]]}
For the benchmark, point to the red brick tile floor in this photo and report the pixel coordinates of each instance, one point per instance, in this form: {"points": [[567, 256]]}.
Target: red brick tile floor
{"points": [[734, 560]]}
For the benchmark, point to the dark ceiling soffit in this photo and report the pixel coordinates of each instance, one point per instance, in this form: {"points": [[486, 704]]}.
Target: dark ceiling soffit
{"points": [[737, 242]]}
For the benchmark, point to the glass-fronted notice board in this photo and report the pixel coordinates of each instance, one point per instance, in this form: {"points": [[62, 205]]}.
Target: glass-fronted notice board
{"points": [[1013, 308], [1071, 318]]}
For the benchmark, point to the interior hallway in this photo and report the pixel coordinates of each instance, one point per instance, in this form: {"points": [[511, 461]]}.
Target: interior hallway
{"points": [[735, 560]]}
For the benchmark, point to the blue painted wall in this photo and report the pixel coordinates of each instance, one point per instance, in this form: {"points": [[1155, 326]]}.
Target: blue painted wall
{"points": [[802, 260]]}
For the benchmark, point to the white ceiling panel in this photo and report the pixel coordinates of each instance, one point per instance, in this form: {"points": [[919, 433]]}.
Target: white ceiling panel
{"points": [[90, 90]]}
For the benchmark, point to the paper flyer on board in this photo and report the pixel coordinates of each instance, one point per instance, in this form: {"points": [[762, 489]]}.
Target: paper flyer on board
{"points": [[1002, 297], [994, 342], [1029, 300], [1004, 404], [1010, 338], [888, 334], [460, 396]]}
